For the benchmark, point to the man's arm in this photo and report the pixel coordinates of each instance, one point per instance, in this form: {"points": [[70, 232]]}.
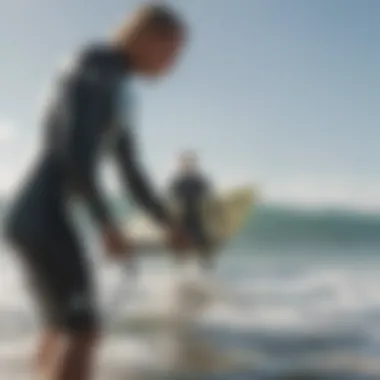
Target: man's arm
{"points": [[84, 104], [135, 178]]}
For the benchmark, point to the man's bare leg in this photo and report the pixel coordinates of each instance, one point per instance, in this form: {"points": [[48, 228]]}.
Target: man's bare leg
{"points": [[76, 357], [47, 351]]}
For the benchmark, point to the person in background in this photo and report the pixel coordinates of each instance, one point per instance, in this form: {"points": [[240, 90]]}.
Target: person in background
{"points": [[84, 117], [191, 192]]}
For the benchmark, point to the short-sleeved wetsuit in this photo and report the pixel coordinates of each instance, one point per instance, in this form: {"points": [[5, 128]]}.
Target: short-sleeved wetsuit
{"points": [[189, 192], [84, 117]]}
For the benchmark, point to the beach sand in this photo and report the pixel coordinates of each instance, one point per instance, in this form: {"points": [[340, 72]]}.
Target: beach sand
{"points": [[133, 359]]}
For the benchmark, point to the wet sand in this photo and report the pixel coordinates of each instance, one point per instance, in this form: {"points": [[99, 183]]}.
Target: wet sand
{"points": [[132, 360], [120, 361]]}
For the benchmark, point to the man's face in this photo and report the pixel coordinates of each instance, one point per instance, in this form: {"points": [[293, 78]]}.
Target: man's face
{"points": [[160, 53]]}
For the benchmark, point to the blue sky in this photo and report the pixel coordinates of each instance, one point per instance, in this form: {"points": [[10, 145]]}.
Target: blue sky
{"points": [[280, 92]]}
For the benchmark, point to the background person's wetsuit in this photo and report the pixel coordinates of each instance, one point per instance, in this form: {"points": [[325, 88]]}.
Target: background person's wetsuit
{"points": [[189, 191], [83, 117]]}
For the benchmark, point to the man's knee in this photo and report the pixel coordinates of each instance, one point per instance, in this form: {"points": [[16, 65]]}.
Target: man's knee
{"points": [[83, 340], [82, 324], [80, 318], [82, 337]]}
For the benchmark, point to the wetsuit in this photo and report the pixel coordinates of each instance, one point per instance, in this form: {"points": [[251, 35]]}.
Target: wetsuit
{"points": [[189, 192], [84, 117]]}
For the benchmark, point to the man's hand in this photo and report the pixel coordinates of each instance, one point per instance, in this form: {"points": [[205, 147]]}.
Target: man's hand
{"points": [[115, 243]]}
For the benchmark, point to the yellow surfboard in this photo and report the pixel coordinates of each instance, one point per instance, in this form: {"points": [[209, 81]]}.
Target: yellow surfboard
{"points": [[223, 218]]}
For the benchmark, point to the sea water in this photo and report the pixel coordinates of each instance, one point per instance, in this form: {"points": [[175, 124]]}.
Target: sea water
{"points": [[296, 293]]}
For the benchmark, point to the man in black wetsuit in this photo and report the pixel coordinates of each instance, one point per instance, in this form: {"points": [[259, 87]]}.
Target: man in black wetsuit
{"points": [[191, 192], [85, 116]]}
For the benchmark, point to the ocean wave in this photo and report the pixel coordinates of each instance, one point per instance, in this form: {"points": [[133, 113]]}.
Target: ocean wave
{"points": [[274, 225]]}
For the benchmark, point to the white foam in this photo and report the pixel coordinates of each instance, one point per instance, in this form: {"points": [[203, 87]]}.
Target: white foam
{"points": [[325, 301]]}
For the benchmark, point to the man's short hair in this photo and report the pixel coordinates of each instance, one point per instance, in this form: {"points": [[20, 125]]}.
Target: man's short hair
{"points": [[161, 18]]}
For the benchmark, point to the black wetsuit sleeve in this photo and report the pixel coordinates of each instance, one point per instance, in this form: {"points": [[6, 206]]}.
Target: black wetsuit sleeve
{"points": [[136, 180], [206, 187], [86, 104]]}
